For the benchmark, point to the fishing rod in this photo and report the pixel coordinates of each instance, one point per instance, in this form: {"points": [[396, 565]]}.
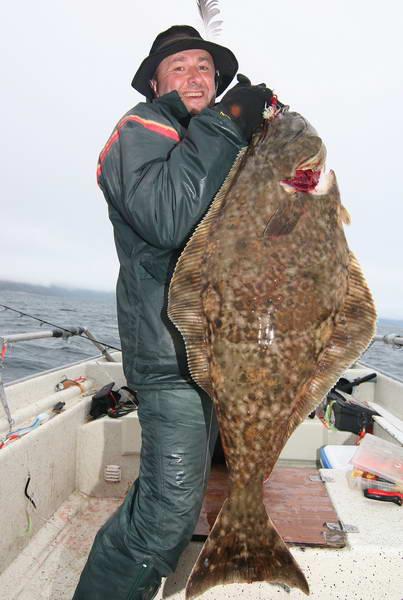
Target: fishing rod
{"points": [[83, 333]]}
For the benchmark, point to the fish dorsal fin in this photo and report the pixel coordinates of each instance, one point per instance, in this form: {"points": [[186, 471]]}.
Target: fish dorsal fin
{"points": [[184, 300], [353, 331]]}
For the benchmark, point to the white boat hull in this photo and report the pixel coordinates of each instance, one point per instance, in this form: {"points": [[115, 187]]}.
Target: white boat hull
{"points": [[65, 459]]}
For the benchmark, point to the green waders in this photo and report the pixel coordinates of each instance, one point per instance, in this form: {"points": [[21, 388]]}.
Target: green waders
{"points": [[143, 540]]}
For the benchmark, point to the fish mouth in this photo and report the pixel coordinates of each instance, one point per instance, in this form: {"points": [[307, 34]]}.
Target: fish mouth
{"points": [[310, 176]]}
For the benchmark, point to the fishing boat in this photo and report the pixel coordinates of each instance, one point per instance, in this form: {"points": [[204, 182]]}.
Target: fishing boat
{"points": [[63, 473]]}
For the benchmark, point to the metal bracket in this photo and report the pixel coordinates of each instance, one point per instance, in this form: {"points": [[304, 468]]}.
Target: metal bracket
{"points": [[335, 539], [341, 526], [322, 478], [337, 534]]}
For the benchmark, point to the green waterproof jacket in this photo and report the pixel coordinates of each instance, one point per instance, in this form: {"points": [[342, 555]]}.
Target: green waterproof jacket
{"points": [[159, 171]]}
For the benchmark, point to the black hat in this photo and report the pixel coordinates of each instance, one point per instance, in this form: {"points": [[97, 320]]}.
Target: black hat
{"points": [[175, 39]]}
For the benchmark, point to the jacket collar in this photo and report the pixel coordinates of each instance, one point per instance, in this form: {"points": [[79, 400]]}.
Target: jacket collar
{"points": [[173, 103]]}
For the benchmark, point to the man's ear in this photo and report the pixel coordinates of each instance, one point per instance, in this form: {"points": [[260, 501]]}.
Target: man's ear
{"points": [[154, 87]]}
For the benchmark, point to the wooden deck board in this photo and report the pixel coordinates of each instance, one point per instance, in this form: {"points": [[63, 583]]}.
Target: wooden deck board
{"points": [[298, 506]]}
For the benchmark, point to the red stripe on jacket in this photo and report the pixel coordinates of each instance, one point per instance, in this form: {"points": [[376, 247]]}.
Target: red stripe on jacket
{"points": [[164, 130]]}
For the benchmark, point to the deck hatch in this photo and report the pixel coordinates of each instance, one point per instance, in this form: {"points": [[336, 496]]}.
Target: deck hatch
{"points": [[300, 506]]}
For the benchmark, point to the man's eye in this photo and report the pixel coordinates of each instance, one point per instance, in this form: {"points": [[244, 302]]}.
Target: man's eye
{"points": [[204, 68], [178, 69]]}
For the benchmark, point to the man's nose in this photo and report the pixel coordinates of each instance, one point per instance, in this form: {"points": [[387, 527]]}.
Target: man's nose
{"points": [[194, 75]]}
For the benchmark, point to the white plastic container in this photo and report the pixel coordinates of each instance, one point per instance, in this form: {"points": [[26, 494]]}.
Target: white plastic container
{"points": [[356, 482], [379, 457]]}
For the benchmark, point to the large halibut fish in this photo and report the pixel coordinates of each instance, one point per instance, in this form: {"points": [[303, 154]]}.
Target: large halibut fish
{"points": [[273, 307]]}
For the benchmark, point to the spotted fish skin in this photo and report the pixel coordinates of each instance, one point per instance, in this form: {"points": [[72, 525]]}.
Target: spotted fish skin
{"points": [[273, 307]]}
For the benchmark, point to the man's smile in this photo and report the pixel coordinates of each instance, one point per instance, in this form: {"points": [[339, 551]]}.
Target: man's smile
{"points": [[198, 94]]}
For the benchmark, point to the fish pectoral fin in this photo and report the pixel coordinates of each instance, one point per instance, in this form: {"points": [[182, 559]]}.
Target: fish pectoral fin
{"points": [[239, 550], [284, 220], [344, 215]]}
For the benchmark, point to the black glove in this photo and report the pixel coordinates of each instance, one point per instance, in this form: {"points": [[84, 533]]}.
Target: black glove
{"points": [[244, 104]]}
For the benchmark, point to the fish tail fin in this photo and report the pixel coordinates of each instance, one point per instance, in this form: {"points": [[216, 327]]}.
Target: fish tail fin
{"points": [[245, 549]]}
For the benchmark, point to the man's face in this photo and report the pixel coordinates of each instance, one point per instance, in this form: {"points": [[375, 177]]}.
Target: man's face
{"points": [[192, 74]]}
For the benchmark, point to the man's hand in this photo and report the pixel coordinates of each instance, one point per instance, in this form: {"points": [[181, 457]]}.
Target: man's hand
{"points": [[244, 104]]}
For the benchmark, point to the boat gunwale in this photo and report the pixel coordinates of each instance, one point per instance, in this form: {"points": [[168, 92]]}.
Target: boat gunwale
{"points": [[89, 359]]}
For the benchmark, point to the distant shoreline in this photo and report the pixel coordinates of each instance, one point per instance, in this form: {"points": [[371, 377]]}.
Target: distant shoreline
{"points": [[55, 290]]}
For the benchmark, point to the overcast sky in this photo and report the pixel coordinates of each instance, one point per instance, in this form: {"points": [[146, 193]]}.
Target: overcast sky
{"points": [[66, 67]]}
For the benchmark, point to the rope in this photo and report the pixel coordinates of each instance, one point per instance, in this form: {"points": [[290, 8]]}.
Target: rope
{"points": [[328, 416], [59, 327], [26, 491]]}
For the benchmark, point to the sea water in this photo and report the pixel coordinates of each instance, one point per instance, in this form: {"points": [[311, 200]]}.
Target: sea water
{"points": [[99, 316]]}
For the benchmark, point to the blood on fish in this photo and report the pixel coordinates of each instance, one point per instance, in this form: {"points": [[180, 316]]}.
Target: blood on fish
{"points": [[304, 181]]}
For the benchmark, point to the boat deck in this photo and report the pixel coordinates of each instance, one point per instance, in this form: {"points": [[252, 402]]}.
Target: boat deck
{"points": [[369, 566], [288, 498]]}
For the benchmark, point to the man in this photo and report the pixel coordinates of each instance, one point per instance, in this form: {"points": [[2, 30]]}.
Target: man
{"points": [[159, 171]]}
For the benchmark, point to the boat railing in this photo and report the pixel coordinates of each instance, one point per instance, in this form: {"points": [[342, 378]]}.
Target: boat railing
{"points": [[7, 340], [392, 339]]}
